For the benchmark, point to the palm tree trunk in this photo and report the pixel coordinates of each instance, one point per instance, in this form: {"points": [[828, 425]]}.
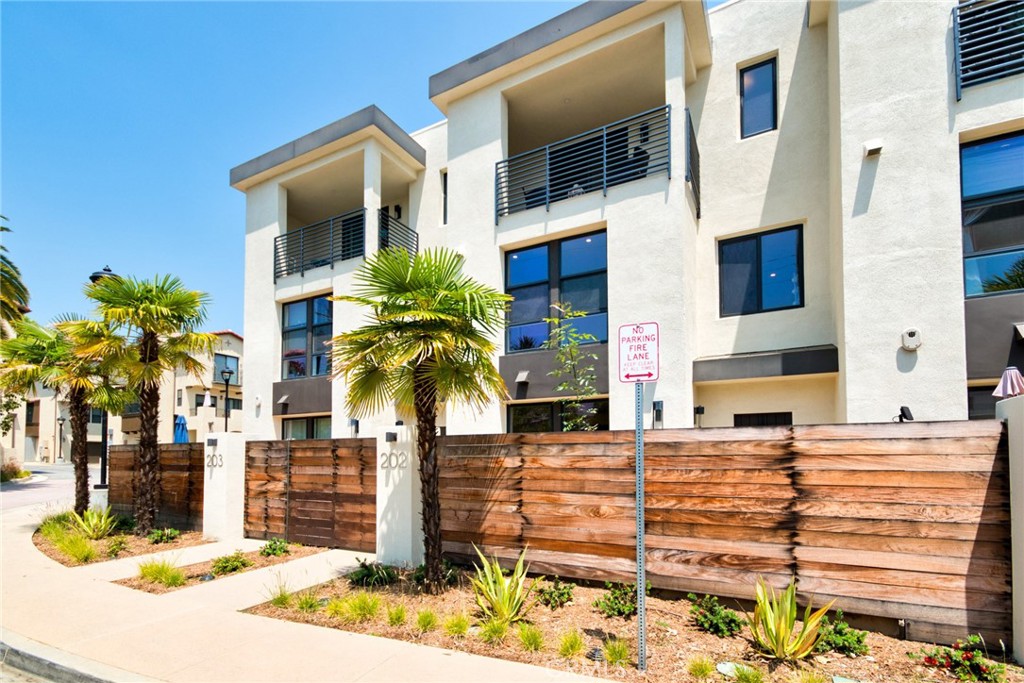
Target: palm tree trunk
{"points": [[79, 410], [149, 421], [426, 447]]}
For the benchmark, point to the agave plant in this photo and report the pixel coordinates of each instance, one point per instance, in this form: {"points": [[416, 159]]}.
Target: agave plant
{"points": [[95, 523], [501, 598], [774, 621]]}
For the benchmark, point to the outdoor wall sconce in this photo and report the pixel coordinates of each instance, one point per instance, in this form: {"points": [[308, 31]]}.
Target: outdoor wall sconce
{"points": [[399, 423], [698, 413], [354, 424], [523, 377], [659, 410], [905, 415], [391, 437], [873, 148]]}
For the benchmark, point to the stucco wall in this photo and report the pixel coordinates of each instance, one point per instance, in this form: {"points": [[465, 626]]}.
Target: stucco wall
{"points": [[810, 399]]}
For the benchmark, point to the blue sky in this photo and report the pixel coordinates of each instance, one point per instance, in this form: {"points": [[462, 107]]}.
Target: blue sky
{"points": [[120, 121]]}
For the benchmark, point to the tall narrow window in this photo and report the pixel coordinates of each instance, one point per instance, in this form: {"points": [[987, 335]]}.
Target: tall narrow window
{"points": [[992, 200], [573, 271], [223, 362], [306, 327], [444, 197], [32, 413], [762, 272], [758, 99]]}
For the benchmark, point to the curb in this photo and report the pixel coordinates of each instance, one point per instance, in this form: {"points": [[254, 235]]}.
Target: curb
{"points": [[58, 666]]}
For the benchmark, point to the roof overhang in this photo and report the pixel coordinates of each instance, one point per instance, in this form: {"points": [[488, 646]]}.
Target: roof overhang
{"points": [[808, 360], [366, 123], [560, 34]]}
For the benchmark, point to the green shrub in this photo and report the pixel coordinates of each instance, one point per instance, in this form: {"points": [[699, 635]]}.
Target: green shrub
{"points": [[701, 667], [967, 659], [275, 547], [372, 574], [396, 615], [748, 674], [530, 637], [95, 524], [457, 626], [773, 623], [339, 609], [280, 596], [426, 620], [449, 573], [619, 600], [77, 547], [708, 615], [616, 652], [364, 606], [229, 564], [571, 644], [162, 572], [116, 546], [307, 601], [556, 594], [11, 469], [501, 597], [809, 676], [838, 636], [56, 526], [163, 535], [493, 631]]}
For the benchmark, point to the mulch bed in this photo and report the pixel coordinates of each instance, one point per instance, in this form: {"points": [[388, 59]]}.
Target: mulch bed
{"points": [[195, 573], [672, 639], [135, 546]]}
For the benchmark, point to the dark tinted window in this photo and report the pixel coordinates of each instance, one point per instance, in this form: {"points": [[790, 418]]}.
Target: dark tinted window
{"points": [[757, 98], [306, 328], [762, 419], [993, 166], [761, 272], [547, 417]]}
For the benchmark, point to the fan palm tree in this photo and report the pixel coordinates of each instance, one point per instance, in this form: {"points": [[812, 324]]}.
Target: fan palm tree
{"points": [[46, 356], [429, 340], [13, 292], [146, 327]]}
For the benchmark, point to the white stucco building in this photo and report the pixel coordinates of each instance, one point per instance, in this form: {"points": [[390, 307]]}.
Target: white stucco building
{"points": [[821, 203]]}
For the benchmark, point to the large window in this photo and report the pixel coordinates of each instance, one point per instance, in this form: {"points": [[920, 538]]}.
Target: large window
{"points": [[31, 413], [306, 327], [758, 99], [547, 417], [572, 271], [992, 192], [222, 362], [95, 416], [762, 272], [297, 429]]}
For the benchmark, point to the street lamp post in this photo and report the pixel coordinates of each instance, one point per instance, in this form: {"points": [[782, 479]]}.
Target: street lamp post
{"points": [[225, 375], [104, 441], [60, 438]]}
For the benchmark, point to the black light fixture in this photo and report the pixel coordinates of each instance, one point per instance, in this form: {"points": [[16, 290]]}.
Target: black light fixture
{"points": [[905, 415], [226, 375], [354, 424], [60, 438], [698, 413], [104, 436], [659, 411]]}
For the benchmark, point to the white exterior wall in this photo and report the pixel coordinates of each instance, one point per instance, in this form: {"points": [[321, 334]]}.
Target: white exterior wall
{"points": [[809, 398]]}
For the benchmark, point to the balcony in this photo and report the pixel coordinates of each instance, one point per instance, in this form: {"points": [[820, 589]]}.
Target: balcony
{"points": [[988, 38], [394, 233], [333, 239], [626, 150]]}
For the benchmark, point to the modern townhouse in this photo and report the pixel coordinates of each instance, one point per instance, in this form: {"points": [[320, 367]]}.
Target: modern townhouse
{"points": [[821, 203], [41, 429]]}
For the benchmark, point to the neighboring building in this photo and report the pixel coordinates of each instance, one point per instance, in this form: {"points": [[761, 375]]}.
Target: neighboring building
{"points": [[778, 184], [37, 434]]}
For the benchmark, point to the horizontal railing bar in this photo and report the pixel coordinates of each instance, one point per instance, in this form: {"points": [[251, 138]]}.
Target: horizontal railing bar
{"points": [[998, 67]]}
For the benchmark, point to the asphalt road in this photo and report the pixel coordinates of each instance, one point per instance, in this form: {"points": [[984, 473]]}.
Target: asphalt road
{"points": [[50, 485]]}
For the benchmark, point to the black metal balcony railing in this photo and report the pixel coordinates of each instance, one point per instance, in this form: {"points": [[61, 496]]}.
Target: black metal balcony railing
{"points": [[692, 161], [394, 233], [334, 239], [630, 149], [988, 40]]}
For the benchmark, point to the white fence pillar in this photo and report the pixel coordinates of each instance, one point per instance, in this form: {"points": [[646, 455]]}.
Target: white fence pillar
{"points": [[1012, 411], [224, 486], [399, 510]]}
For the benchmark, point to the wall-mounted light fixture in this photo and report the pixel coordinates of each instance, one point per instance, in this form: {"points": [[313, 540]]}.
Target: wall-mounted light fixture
{"points": [[698, 414], [391, 437], [905, 415], [873, 148], [659, 412], [399, 423], [354, 424]]}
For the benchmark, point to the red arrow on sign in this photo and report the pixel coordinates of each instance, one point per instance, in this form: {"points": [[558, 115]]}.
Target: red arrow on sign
{"points": [[643, 374]]}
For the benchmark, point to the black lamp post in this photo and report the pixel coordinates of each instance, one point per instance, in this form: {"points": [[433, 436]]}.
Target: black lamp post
{"points": [[60, 438], [225, 375], [104, 443]]}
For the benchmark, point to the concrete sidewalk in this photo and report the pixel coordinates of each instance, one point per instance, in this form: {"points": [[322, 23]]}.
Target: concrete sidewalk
{"points": [[94, 630]]}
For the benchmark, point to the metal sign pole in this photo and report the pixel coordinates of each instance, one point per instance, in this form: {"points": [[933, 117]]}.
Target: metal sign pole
{"points": [[641, 574]]}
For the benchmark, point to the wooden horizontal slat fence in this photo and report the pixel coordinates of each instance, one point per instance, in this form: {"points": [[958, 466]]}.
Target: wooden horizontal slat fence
{"points": [[907, 521], [180, 492], [319, 492]]}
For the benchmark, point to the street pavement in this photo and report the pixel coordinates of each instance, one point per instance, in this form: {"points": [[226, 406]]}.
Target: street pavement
{"points": [[84, 627]]}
